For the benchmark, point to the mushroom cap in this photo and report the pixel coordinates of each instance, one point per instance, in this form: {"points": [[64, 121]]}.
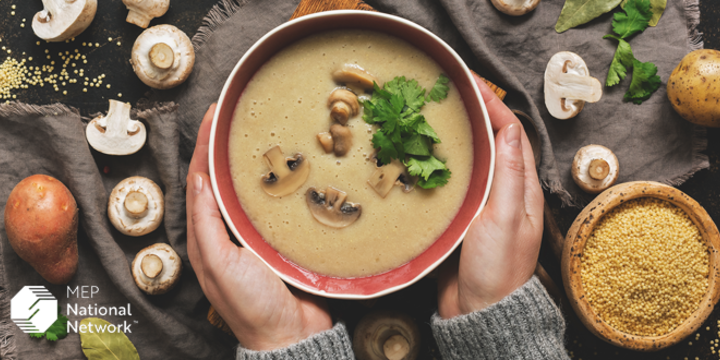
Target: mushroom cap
{"points": [[342, 139], [584, 169], [126, 204], [155, 277], [142, 11], [286, 174], [63, 19], [568, 85], [383, 335], [516, 7], [183, 57], [115, 133], [343, 105], [355, 75], [329, 207], [385, 177]]}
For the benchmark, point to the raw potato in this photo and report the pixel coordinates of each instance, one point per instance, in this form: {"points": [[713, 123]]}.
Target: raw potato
{"points": [[694, 87], [41, 221]]}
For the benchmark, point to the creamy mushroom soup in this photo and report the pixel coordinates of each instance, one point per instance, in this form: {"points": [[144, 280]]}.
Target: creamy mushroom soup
{"points": [[286, 105]]}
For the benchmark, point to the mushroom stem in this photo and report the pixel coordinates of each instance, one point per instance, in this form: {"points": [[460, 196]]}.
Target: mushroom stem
{"points": [[161, 56], [578, 87], [275, 160], [50, 9], [151, 266], [136, 204], [396, 347], [138, 18], [598, 169], [118, 118]]}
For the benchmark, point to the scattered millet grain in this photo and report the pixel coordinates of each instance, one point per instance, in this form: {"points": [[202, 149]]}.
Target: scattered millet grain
{"points": [[645, 267]]}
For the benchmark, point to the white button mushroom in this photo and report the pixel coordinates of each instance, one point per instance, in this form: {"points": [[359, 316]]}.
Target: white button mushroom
{"points": [[156, 269], [136, 206], [595, 168], [516, 7], [142, 11], [163, 57], [568, 85], [116, 133], [63, 19]]}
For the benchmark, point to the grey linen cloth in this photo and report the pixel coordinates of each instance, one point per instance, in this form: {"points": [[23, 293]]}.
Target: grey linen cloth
{"points": [[524, 325], [651, 141]]}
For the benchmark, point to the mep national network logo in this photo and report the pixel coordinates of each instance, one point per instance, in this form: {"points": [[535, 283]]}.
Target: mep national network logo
{"points": [[34, 309]]}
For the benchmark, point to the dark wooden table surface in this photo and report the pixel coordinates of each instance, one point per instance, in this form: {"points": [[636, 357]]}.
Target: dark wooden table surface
{"points": [[111, 60]]}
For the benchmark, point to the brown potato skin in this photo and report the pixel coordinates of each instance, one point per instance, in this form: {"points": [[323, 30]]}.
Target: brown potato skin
{"points": [[41, 221], [694, 88]]}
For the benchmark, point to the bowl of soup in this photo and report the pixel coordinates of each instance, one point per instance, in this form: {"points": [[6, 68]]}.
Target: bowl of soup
{"points": [[344, 223]]}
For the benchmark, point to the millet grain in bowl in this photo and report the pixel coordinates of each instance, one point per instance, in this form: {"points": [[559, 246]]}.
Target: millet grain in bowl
{"points": [[645, 267]]}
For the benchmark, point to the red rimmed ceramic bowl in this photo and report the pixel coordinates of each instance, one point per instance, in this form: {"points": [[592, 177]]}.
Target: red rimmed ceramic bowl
{"points": [[483, 166]]}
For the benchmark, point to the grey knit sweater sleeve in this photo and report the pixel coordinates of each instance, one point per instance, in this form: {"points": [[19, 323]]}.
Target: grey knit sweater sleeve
{"points": [[524, 325], [330, 344]]}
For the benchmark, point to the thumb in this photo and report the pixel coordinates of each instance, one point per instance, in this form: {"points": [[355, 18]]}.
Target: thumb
{"points": [[508, 192]]}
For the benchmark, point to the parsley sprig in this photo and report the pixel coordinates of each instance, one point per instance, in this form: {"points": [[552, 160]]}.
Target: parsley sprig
{"points": [[58, 330], [404, 134], [635, 18]]}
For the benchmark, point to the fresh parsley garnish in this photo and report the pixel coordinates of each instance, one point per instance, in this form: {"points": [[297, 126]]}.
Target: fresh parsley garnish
{"points": [[635, 18], [58, 330], [404, 134]]}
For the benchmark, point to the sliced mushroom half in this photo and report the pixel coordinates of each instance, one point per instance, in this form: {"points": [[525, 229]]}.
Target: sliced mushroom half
{"points": [[568, 85], [343, 105], [387, 176], [136, 206], [329, 208], [595, 168], [354, 75], [156, 269], [61, 20], [385, 335], [286, 174], [116, 133]]}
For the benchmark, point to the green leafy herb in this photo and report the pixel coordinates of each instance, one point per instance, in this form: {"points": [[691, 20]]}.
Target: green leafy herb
{"points": [[621, 62], [578, 12], [58, 330], [644, 82], [404, 134], [439, 90], [657, 7], [635, 19], [101, 344]]}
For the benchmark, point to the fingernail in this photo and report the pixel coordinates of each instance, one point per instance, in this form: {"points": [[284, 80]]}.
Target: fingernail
{"points": [[197, 183], [512, 135]]}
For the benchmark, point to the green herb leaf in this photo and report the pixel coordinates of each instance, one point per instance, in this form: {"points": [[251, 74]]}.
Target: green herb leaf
{"points": [[644, 82], [657, 7], [578, 12], [424, 167], [635, 18], [439, 90], [622, 61], [104, 345], [437, 178], [387, 147], [417, 144], [58, 330], [425, 129], [413, 94]]}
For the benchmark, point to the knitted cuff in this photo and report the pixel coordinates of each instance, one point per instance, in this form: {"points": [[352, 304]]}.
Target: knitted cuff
{"points": [[524, 325], [330, 344]]}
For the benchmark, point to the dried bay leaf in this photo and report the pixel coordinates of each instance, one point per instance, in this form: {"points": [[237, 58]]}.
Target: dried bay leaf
{"points": [[656, 6], [101, 344], [578, 12]]}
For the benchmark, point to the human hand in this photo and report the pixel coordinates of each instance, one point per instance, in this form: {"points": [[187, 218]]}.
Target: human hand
{"points": [[500, 250], [259, 308]]}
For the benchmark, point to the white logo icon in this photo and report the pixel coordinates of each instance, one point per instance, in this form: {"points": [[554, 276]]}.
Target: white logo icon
{"points": [[34, 309]]}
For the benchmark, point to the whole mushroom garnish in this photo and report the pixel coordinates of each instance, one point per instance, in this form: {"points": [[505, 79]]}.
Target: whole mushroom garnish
{"points": [[568, 85], [337, 140], [329, 208], [163, 57], [516, 7], [595, 168], [385, 335], [343, 105], [156, 269], [352, 75], [389, 175], [115, 133], [142, 11], [136, 206], [63, 19], [286, 174]]}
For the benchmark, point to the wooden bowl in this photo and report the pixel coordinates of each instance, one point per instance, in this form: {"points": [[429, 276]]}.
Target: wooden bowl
{"points": [[583, 227]]}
